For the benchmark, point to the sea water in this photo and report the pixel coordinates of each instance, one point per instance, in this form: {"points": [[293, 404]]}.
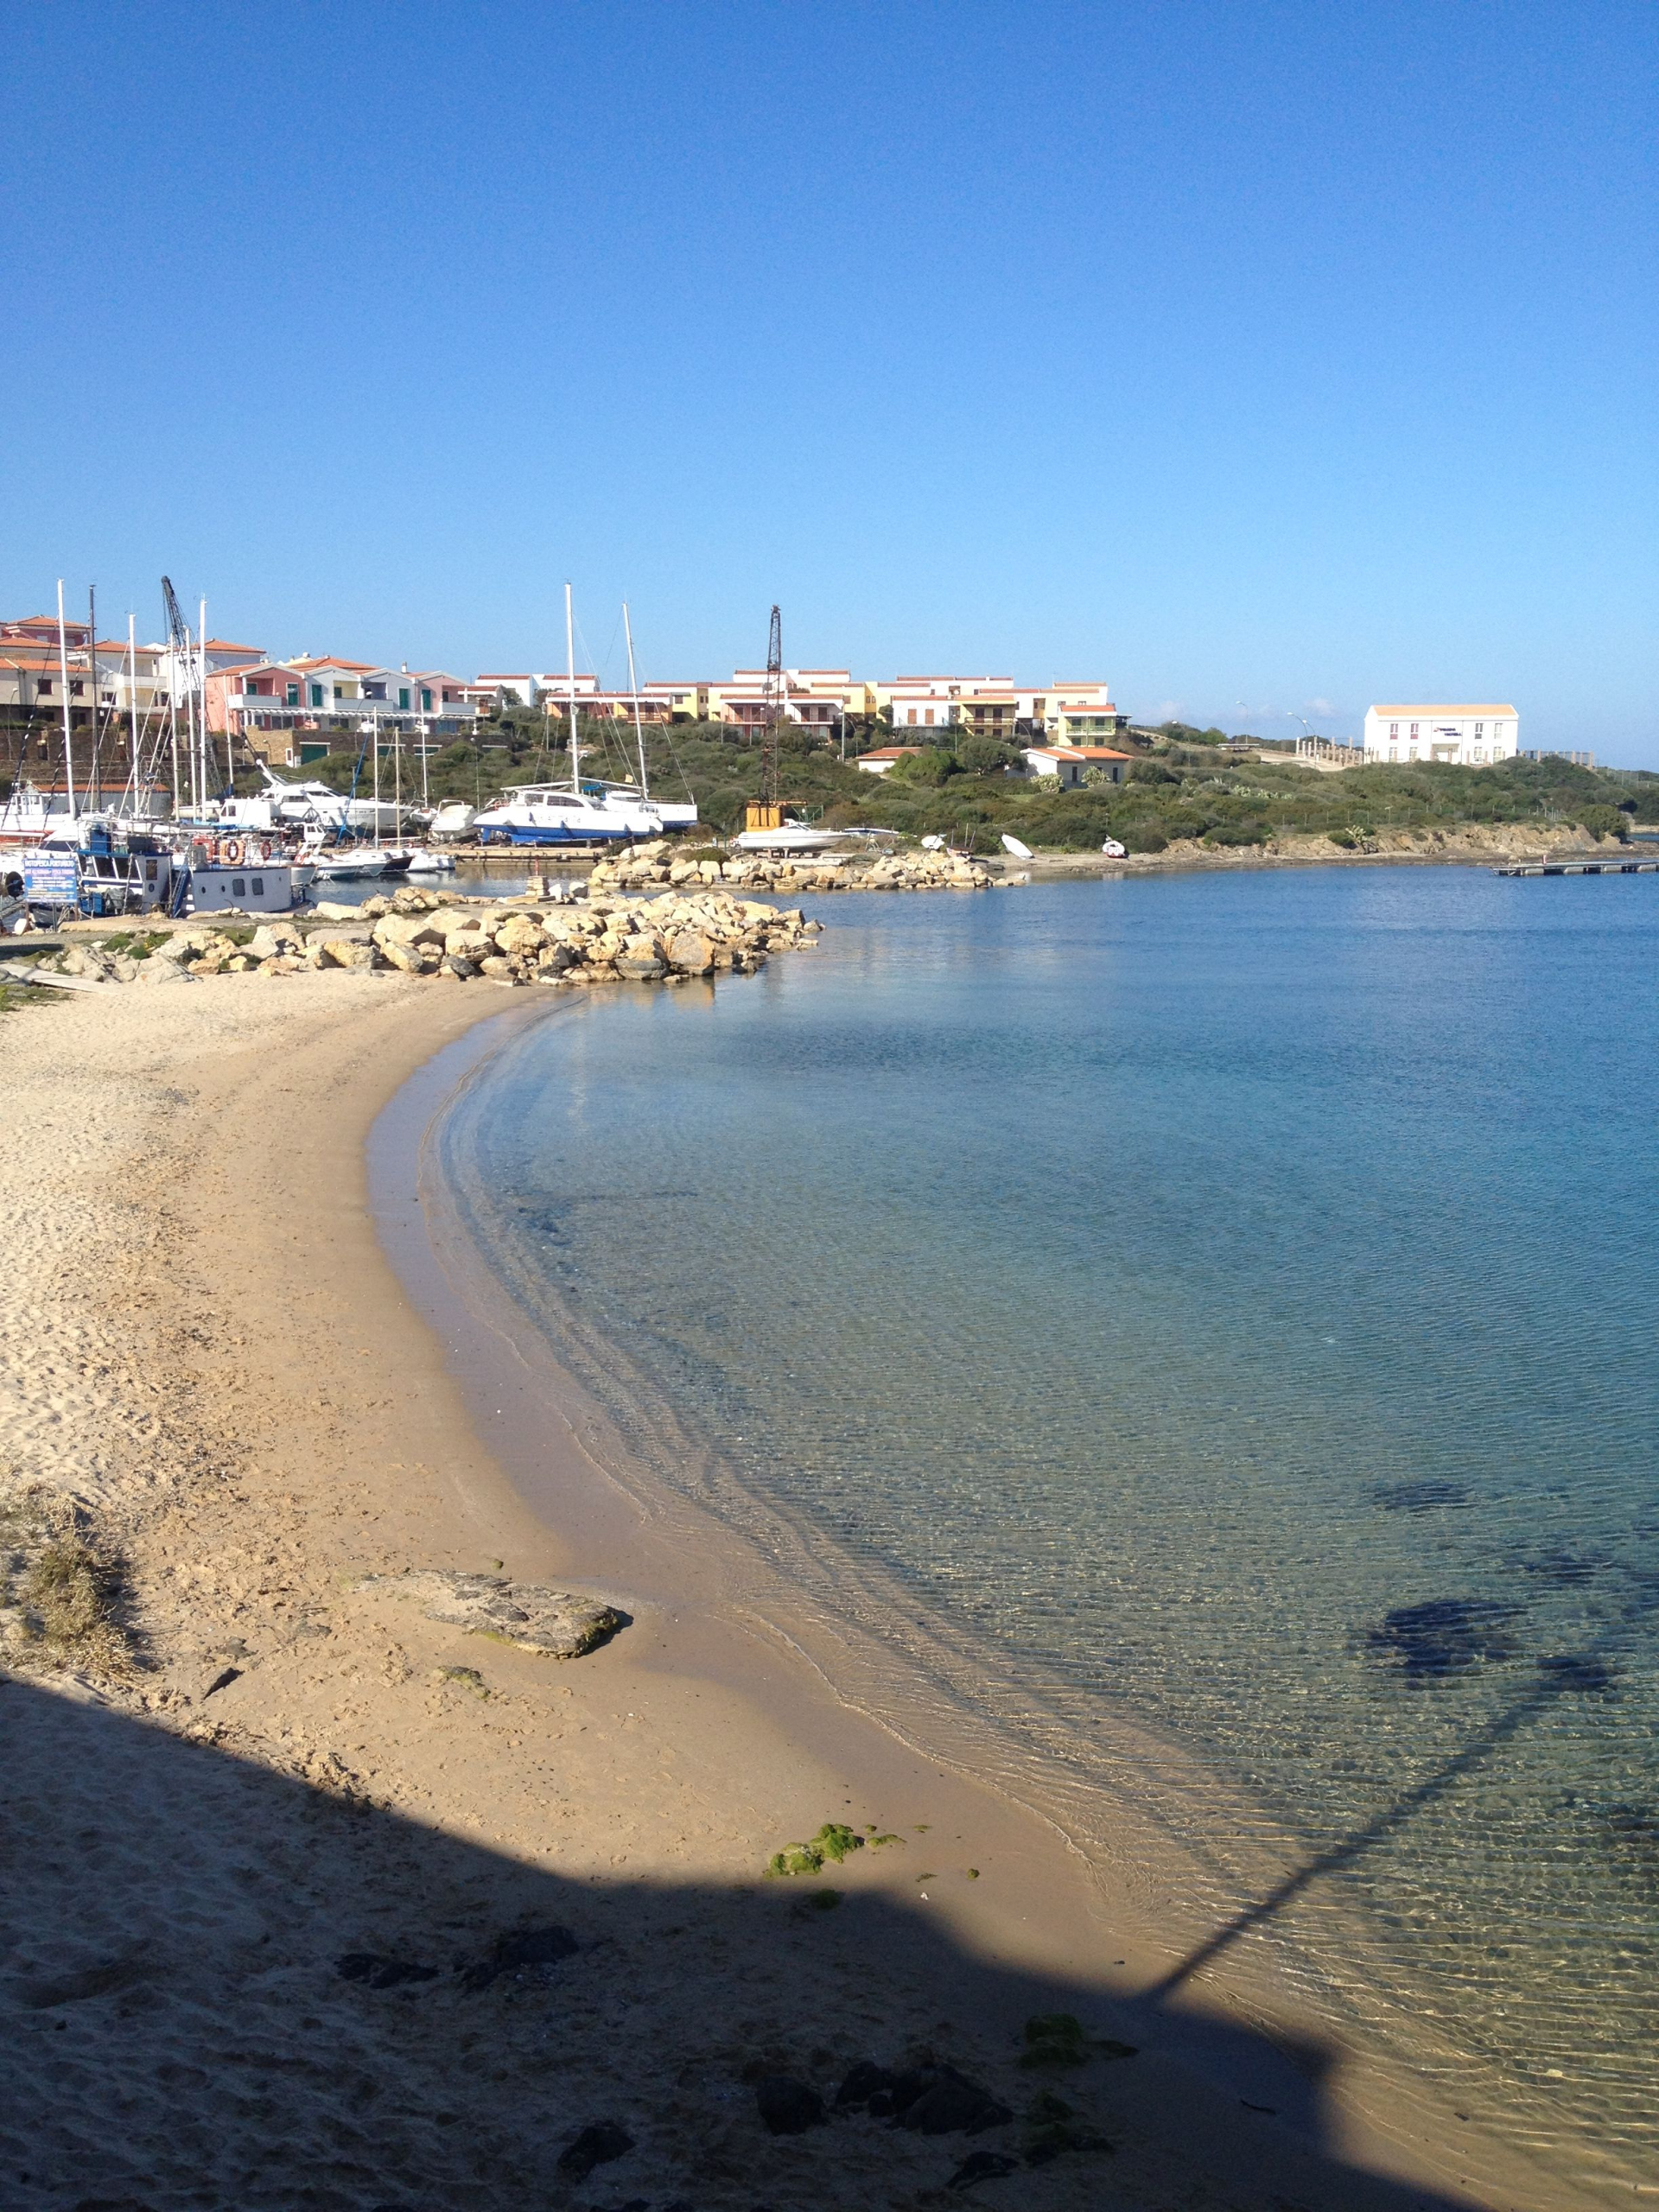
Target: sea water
{"points": [[1226, 1305]]}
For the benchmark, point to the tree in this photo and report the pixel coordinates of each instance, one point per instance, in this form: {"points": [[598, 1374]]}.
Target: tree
{"points": [[930, 765], [981, 755]]}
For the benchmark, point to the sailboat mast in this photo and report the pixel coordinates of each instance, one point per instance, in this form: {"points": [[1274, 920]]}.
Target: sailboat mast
{"points": [[68, 741], [132, 700], [634, 688], [202, 693], [96, 792], [571, 676]]}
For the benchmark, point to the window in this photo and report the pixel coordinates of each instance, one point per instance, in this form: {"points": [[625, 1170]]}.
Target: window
{"points": [[1393, 729], [316, 695], [402, 697], [912, 713], [426, 700], [1394, 752], [76, 688], [43, 689], [930, 717], [1414, 732], [292, 695], [1480, 732], [258, 886], [238, 887]]}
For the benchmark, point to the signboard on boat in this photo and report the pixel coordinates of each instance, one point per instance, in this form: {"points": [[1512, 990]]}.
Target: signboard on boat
{"points": [[51, 879]]}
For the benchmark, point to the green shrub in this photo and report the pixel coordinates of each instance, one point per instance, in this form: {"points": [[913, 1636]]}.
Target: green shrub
{"points": [[929, 766], [1606, 821]]}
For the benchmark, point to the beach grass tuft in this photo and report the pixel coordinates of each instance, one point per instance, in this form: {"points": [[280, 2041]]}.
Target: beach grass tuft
{"points": [[61, 1589]]}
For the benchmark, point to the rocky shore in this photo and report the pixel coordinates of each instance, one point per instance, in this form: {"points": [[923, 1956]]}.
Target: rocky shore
{"points": [[661, 862], [668, 939]]}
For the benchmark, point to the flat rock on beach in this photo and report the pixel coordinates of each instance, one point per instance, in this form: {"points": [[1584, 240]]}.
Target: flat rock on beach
{"points": [[556, 1624]]}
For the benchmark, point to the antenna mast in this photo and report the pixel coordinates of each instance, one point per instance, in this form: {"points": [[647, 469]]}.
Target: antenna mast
{"points": [[178, 638], [771, 710]]}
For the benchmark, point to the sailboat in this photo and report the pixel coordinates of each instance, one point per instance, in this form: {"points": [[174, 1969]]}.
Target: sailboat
{"points": [[567, 813]]}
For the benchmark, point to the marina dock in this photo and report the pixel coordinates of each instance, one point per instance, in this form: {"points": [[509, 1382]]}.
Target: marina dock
{"points": [[1579, 867]]}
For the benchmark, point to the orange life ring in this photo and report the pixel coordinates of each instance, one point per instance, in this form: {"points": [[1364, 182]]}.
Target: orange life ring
{"points": [[264, 848], [232, 852]]}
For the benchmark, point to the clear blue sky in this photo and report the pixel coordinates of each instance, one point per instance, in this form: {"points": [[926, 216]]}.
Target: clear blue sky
{"points": [[1265, 359]]}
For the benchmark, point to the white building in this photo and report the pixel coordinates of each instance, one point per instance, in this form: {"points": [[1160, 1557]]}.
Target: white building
{"points": [[1468, 737]]}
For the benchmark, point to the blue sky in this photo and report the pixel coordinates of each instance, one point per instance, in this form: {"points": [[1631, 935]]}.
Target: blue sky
{"points": [[1265, 359]]}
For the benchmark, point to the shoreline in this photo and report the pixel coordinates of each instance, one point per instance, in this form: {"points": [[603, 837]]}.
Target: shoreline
{"points": [[292, 1464]]}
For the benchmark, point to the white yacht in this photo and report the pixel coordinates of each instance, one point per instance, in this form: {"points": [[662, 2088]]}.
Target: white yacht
{"points": [[310, 803], [573, 813], [565, 814], [454, 818]]}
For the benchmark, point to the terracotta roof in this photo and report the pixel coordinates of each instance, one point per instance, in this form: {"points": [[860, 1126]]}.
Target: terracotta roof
{"points": [[224, 645]]}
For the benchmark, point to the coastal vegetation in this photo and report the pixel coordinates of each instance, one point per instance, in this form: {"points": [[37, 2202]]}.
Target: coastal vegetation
{"points": [[1182, 784]]}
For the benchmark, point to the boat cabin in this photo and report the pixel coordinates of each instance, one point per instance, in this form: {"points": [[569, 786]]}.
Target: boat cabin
{"points": [[264, 887]]}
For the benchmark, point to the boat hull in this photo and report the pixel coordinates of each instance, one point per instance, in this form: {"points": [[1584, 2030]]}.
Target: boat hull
{"points": [[535, 833]]}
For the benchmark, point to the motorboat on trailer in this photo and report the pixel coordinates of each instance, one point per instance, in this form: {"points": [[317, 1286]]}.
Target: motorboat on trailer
{"points": [[788, 836]]}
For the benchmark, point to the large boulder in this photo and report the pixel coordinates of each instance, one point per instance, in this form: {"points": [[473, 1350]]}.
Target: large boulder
{"points": [[412, 959], [689, 953], [276, 941], [554, 1623], [407, 930], [154, 970], [520, 933], [347, 952]]}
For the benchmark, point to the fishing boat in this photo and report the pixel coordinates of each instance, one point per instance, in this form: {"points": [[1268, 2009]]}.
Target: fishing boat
{"points": [[94, 865]]}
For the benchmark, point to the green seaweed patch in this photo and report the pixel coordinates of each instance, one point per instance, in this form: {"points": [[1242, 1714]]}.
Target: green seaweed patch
{"points": [[972, 1873], [1061, 2039], [465, 1678], [1053, 2128], [834, 1840], [880, 1842]]}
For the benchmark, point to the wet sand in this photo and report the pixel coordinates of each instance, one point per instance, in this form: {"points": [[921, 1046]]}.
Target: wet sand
{"points": [[206, 1343]]}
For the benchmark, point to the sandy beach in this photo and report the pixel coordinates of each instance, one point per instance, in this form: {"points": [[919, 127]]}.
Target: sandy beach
{"points": [[569, 1980]]}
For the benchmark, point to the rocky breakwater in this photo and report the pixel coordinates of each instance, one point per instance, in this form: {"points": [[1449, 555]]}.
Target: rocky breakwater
{"points": [[666, 939], [661, 862]]}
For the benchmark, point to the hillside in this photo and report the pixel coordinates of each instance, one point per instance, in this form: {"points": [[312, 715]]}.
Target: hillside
{"points": [[1175, 791]]}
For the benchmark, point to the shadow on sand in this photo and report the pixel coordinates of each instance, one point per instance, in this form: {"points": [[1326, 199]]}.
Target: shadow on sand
{"points": [[178, 2032]]}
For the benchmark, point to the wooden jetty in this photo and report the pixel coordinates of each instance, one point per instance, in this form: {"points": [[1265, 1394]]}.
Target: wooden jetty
{"points": [[1579, 867]]}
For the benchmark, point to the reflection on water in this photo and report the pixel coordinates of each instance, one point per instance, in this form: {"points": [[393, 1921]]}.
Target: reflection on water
{"points": [[1224, 1304]]}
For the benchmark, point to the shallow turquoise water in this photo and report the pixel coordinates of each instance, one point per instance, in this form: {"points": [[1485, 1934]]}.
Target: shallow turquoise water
{"points": [[1227, 1304]]}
